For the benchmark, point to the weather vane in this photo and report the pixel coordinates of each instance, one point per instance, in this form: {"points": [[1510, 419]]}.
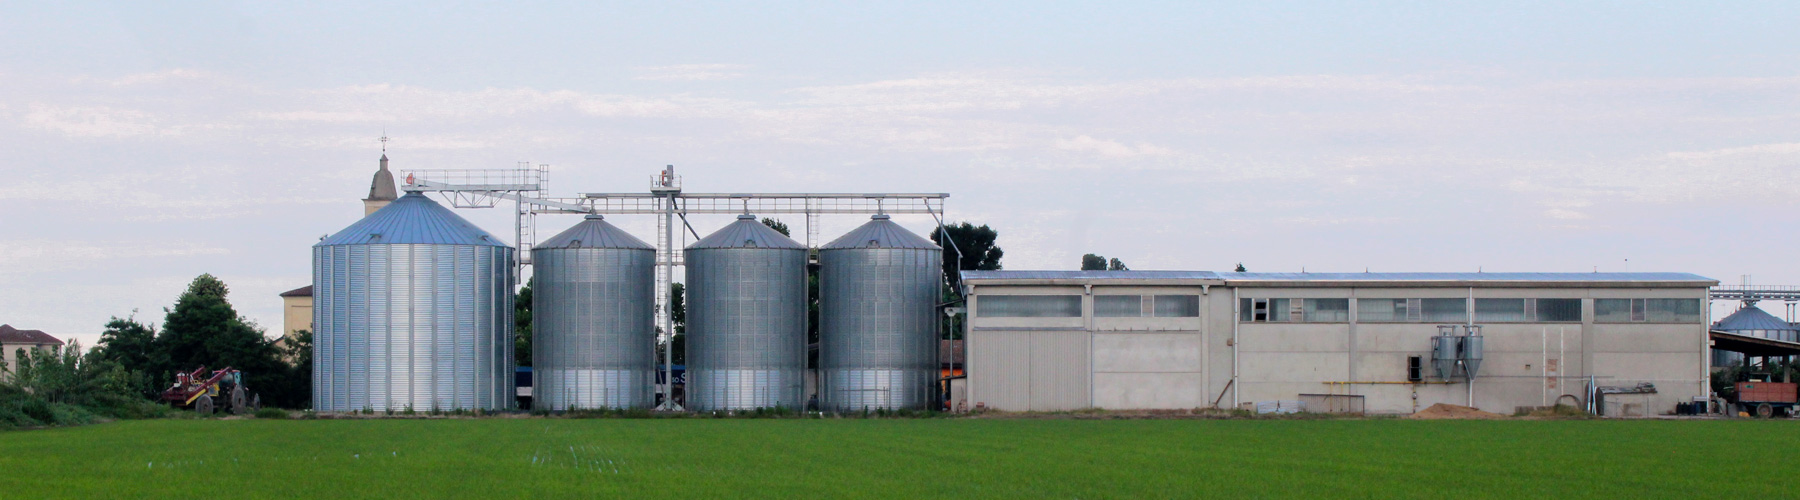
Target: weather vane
{"points": [[384, 139]]}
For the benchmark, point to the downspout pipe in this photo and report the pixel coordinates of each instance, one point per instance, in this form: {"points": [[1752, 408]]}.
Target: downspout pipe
{"points": [[1237, 316]]}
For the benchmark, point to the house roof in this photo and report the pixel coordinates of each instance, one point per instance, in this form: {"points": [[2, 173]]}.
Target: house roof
{"points": [[10, 335], [305, 291]]}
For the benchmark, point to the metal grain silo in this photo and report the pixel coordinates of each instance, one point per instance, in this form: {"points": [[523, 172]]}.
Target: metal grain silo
{"points": [[879, 287], [593, 319], [746, 319], [413, 309]]}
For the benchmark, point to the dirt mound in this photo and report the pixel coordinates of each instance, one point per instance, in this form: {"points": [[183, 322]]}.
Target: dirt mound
{"points": [[1448, 411]]}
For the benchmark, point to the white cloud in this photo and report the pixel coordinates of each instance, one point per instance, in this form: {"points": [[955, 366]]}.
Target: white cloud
{"points": [[1114, 149], [43, 255], [691, 72]]}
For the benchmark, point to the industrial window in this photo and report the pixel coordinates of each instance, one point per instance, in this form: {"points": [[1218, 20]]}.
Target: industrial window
{"points": [[1444, 310], [1385, 310], [1327, 310], [1028, 306], [1118, 306], [1527, 310], [1177, 306], [1500, 311], [1558, 310], [1290, 310], [1261, 310], [1672, 310], [1647, 311], [1612, 310], [1253, 310], [1411, 310]]}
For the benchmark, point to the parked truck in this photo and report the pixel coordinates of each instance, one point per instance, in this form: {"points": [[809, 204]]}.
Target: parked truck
{"points": [[1764, 399]]}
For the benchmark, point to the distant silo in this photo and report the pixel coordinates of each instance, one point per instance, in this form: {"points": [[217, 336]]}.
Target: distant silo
{"points": [[1751, 321], [593, 319], [878, 291], [414, 309], [746, 319]]}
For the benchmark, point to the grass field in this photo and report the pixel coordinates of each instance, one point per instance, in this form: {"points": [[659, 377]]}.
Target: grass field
{"points": [[935, 458]]}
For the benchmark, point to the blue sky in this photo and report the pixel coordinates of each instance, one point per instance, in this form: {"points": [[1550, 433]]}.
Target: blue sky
{"points": [[142, 144]]}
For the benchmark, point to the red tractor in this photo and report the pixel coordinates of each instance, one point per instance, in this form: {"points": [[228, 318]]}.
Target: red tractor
{"points": [[193, 391]]}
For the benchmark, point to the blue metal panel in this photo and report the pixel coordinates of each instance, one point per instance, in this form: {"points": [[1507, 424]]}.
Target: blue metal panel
{"points": [[412, 219]]}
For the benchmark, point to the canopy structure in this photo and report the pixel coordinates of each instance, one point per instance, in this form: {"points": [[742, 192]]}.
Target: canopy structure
{"points": [[1753, 346]]}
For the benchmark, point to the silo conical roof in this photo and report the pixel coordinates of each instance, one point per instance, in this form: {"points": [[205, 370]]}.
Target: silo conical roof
{"points": [[746, 233], [412, 219], [880, 232], [595, 232], [1751, 318]]}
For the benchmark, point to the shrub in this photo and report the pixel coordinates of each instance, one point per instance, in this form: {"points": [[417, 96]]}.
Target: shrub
{"points": [[272, 414]]}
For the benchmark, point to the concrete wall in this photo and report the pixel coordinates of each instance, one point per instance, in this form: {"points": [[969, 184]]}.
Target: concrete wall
{"points": [[296, 315], [9, 354], [1040, 364]]}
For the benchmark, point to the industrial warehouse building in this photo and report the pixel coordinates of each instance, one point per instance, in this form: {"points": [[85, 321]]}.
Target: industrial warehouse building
{"points": [[1066, 340]]}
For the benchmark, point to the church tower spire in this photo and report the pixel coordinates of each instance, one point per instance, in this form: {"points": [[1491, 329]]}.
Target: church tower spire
{"points": [[381, 189]]}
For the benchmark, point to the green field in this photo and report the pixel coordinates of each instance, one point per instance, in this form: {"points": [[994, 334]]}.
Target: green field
{"points": [[897, 458]]}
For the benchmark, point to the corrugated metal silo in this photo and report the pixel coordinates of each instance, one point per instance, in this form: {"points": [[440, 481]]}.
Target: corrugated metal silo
{"points": [[878, 291], [593, 319], [413, 308], [746, 319]]}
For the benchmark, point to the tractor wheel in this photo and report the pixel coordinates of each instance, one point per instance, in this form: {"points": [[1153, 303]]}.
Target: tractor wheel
{"points": [[1765, 411], [203, 405], [239, 403]]}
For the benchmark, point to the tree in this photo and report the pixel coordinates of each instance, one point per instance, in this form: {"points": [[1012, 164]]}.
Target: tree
{"points": [[1091, 262], [778, 226], [1095, 262], [1240, 268], [677, 316], [976, 244], [132, 346], [204, 330], [522, 326]]}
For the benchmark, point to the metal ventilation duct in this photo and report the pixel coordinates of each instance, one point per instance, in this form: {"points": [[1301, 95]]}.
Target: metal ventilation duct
{"points": [[593, 314], [746, 319], [878, 291], [413, 309]]}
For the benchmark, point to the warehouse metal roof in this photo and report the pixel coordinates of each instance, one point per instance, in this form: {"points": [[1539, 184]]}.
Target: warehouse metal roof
{"points": [[594, 232], [746, 233], [1340, 279], [1752, 318], [880, 232], [1533, 277], [1091, 275], [412, 219]]}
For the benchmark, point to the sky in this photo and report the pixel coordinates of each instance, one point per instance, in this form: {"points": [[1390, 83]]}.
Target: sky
{"points": [[142, 144]]}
